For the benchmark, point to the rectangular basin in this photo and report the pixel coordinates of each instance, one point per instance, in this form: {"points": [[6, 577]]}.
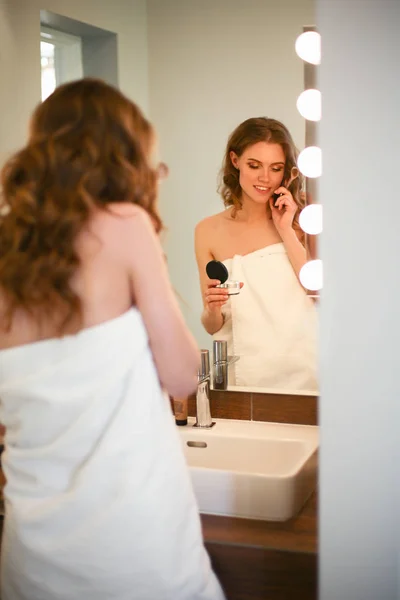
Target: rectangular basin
{"points": [[250, 469]]}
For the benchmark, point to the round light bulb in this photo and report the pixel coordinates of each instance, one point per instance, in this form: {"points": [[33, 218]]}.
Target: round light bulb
{"points": [[308, 47], [310, 219], [310, 161], [309, 105], [311, 275]]}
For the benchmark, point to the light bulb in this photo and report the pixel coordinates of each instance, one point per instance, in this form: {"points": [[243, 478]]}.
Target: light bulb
{"points": [[309, 105], [308, 47], [310, 161], [311, 275], [310, 219]]}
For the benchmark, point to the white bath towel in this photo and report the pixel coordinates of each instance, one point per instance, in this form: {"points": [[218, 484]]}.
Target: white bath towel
{"points": [[99, 502], [271, 324]]}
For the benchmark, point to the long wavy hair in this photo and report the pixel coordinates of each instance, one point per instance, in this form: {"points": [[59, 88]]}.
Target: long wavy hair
{"points": [[88, 147], [248, 133]]}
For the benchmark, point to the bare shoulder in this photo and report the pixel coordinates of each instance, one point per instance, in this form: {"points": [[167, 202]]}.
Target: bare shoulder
{"points": [[122, 230], [125, 211], [120, 219], [210, 225]]}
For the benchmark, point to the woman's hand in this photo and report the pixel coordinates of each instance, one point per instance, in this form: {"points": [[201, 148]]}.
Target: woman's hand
{"points": [[282, 215], [284, 210], [215, 297]]}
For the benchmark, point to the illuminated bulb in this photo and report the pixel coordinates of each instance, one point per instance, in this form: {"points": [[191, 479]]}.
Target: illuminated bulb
{"points": [[310, 161], [311, 275], [308, 47], [309, 105], [311, 219]]}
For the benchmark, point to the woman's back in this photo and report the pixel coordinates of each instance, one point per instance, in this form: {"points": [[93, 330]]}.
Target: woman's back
{"points": [[102, 281], [122, 265]]}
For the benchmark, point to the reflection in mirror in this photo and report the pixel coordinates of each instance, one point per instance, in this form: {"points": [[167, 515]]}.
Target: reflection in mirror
{"points": [[213, 66], [270, 326]]}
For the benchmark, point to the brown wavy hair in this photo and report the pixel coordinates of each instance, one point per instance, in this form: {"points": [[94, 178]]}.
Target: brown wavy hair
{"points": [[252, 131], [88, 147]]}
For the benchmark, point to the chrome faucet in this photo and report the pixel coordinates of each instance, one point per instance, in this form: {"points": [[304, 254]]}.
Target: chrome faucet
{"points": [[221, 363], [203, 413]]}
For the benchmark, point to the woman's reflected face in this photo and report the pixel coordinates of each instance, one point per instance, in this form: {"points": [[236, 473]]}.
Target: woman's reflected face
{"points": [[261, 168]]}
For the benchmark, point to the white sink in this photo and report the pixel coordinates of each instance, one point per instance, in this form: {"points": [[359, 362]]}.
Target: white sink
{"points": [[251, 469]]}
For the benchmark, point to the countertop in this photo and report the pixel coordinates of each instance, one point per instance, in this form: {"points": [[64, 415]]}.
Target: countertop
{"points": [[299, 534]]}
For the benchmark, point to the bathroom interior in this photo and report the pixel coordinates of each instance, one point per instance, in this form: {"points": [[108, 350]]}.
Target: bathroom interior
{"points": [[296, 487]]}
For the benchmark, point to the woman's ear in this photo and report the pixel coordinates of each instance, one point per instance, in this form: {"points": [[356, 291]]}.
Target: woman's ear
{"points": [[234, 159]]}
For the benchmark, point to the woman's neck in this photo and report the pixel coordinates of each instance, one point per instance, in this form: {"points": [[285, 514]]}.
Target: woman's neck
{"points": [[252, 212]]}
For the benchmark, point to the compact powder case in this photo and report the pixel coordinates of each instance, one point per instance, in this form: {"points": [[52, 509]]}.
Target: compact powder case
{"points": [[233, 287], [217, 270]]}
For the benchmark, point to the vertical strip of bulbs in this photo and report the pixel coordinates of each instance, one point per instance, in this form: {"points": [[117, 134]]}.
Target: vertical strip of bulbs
{"points": [[308, 48]]}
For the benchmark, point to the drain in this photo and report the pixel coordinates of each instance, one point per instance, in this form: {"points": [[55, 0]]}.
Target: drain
{"points": [[197, 444]]}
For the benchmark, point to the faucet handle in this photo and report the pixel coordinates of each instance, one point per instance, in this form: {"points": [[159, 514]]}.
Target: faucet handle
{"points": [[204, 369]]}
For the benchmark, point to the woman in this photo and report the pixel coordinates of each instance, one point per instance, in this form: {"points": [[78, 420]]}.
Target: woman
{"points": [[271, 324], [98, 499]]}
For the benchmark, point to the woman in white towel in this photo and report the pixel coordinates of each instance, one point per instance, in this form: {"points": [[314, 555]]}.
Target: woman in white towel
{"points": [[98, 499], [271, 324]]}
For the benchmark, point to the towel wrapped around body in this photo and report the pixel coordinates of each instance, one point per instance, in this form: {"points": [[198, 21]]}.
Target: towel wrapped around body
{"points": [[271, 325], [99, 503]]}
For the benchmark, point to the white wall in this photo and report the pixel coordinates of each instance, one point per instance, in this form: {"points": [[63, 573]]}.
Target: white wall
{"points": [[20, 55], [212, 64], [360, 332]]}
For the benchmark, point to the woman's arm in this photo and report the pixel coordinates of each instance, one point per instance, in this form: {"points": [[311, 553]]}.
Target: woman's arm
{"points": [[295, 250], [213, 298], [174, 349], [283, 212]]}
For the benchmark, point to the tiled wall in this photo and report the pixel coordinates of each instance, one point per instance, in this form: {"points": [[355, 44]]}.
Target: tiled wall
{"points": [[278, 408]]}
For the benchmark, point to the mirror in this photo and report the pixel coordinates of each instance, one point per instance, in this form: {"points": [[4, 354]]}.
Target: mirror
{"points": [[213, 65]]}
